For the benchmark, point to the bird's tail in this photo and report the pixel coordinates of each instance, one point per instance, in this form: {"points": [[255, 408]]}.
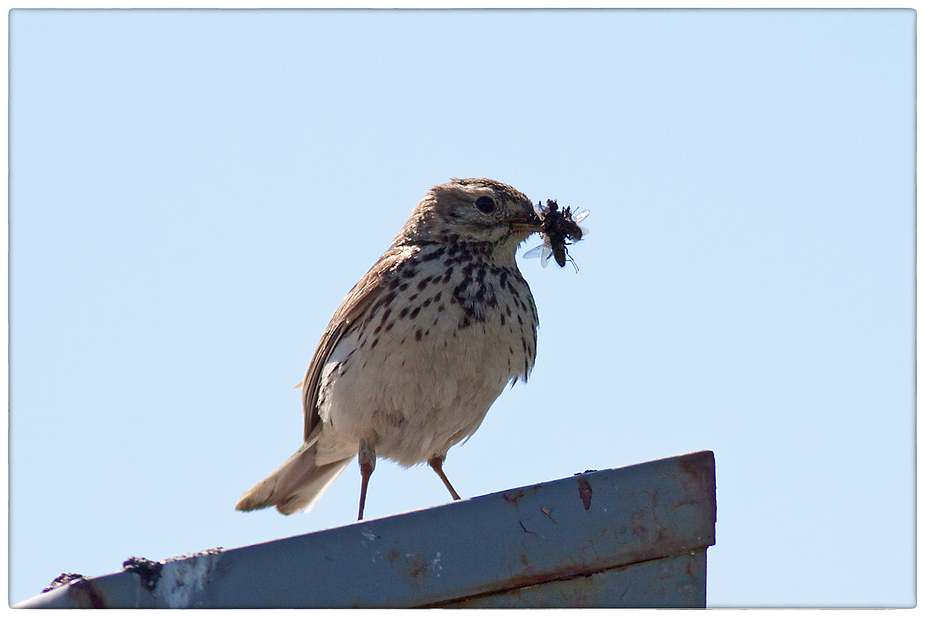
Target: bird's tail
{"points": [[297, 485]]}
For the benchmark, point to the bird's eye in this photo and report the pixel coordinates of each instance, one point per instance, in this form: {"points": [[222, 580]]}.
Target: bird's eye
{"points": [[485, 203]]}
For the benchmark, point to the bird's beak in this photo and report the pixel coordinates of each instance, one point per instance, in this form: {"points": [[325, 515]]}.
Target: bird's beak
{"points": [[528, 222], [518, 226]]}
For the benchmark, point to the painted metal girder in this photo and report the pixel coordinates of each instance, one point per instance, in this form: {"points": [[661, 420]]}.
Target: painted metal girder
{"points": [[633, 536]]}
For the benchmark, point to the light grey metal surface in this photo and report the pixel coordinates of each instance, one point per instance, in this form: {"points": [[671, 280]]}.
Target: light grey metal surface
{"points": [[589, 525]]}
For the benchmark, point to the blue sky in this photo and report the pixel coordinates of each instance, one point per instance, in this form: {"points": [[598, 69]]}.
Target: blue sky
{"points": [[192, 193]]}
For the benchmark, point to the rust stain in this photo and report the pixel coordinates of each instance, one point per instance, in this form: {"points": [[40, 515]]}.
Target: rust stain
{"points": [[418, 567], [636, 523], [688, 502], [525, 561], [512, 497], [699, 467], [661, 537], [85, 594], [584, 492], [693, 466]]}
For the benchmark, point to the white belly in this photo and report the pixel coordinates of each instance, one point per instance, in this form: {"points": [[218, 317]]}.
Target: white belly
{"points": [[424, 380]]}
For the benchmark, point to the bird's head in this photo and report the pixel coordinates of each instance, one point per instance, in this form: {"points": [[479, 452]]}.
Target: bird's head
{"points": [[485, 215]]}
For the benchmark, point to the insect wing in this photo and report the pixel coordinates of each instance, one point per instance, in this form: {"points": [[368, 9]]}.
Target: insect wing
{"points": [[535, 252], [547, 251], [543, 251], [579, 218]]}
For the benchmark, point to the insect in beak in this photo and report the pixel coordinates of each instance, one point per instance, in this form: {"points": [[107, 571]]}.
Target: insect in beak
{"points": [[559, 229]]}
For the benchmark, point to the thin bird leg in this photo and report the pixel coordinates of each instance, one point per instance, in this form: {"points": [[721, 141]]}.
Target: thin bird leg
{"points": [[367, 456], [437, 464]]}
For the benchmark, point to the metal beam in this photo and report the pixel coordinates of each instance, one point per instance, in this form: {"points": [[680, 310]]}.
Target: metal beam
{"points": [[634, 536]]}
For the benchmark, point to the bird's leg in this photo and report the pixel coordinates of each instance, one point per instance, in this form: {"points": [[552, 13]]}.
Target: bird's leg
{"points": [[437, 464], [367, 456]]}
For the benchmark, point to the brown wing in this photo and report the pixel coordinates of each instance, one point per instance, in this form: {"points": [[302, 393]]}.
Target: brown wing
{"points": [[348, 314]]}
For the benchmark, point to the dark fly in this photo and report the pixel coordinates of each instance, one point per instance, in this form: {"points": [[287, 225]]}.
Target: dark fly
{"points": [[560, 229]]}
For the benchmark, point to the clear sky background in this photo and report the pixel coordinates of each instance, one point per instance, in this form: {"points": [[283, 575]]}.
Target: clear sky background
{"points": [[192, 193]]}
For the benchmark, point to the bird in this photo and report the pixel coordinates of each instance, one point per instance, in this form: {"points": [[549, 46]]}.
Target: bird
{"points": [[419, 349]]}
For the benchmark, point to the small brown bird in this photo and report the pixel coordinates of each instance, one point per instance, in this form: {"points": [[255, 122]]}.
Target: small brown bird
{"points": [[420, 348]]}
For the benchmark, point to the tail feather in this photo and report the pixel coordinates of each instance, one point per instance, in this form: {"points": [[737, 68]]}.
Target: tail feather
{"points": [[297, 485]]}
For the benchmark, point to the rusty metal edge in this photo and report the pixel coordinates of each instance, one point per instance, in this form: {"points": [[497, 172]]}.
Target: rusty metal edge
{"points": [[690, 600], [265, 575], [489, 543]]}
